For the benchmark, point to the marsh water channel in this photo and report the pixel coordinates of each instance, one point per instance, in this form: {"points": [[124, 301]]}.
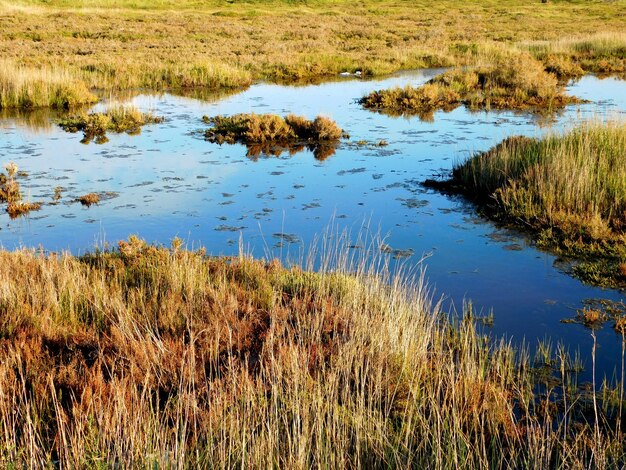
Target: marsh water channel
{"points": [[168, 181]]}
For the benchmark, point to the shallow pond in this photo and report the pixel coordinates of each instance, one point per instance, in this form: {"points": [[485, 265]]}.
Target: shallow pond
{"points": [[169, 182]]}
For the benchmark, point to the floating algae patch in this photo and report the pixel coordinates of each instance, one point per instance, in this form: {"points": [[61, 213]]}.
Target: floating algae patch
{"points": [[514, 82], [117, 119], [271, 134]]}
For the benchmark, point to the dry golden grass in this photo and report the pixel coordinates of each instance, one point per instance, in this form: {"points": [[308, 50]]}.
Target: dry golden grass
{"points": [[270, 134], [126, 44], [11, 194], [166, 358], [30, 87], [89, 199], [262, 128]]}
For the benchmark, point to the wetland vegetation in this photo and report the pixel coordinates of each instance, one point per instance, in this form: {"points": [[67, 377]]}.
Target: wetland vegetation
{"points": [[154, 356], [11, 193], [271, 134], [568, 190], [516, 82], [119, 118], [144, 355], [65, 50]]}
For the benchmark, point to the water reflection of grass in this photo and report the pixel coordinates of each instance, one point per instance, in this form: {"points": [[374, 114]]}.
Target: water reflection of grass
{"points": [[203, 361], [568, 189]]}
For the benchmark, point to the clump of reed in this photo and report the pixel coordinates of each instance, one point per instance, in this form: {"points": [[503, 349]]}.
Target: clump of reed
{"points": [[25, 88], [155, 356], [11, 194], [511, 81], [271, 134], [116, 119], [569, 189]]}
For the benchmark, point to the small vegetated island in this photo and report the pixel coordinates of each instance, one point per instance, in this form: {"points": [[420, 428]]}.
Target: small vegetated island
{"points": [[118, 119], [568, 190], [270, 134], [516, 82]]}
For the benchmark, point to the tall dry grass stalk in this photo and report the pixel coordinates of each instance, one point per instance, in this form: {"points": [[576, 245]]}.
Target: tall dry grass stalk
{"points": [[163, 357]]}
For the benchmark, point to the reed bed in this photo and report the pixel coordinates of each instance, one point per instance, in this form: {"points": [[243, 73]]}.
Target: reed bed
{"points": [[164, 357]]}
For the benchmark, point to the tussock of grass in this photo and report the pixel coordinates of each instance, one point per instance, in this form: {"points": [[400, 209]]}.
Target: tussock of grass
{"points": [[150, 356], [23, 87], [569, 189], [11, 194], [515, 82], [89, 199], [115, 119], [271, 134], [17, 209]]}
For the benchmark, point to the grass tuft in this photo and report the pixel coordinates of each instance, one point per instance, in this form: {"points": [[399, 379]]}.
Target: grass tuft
{"points": [[11, 194], [271, 134], [89, 199]]}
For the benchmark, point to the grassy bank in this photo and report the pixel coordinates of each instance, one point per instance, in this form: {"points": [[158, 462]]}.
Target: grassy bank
{"points": [[29, 87], [152, 356], [569, 190], [123, 44], [516, 82]]}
